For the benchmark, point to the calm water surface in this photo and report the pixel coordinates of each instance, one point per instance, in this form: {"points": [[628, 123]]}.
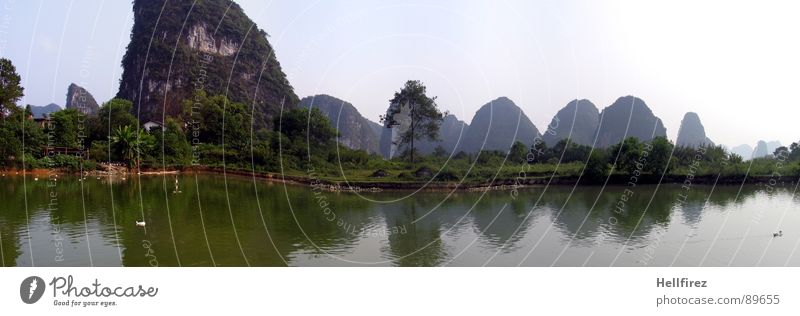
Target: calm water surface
{"points": [[214, 221]]}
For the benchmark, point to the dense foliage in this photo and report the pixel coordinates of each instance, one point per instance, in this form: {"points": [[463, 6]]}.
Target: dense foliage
{"points": [[10, 90], [416, 114], [213, 131], [248, 71]]}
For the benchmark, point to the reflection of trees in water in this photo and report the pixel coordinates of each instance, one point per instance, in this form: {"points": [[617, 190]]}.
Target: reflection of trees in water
{"points": [[725, 196], [645, 211], [692, 212], [301, 227], [637, 217], [11, 221], [421, 245], [60, 227], [494, 224], [348, 215], [174, 230], [721, 197], [576, 207], [499, 226], [691, 206]]}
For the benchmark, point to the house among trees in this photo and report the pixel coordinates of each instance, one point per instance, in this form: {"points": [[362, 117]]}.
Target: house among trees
{"points": [[41, 121]]}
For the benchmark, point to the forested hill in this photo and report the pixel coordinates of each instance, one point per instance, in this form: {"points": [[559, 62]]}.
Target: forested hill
{"points": [[182, 46]]}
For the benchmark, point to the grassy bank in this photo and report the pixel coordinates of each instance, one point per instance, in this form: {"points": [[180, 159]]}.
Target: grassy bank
{"points": [[406, 176]]}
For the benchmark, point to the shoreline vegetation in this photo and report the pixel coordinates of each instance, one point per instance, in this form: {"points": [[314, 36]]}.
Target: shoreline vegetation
{"points": [[340, 184], [300, 145]]}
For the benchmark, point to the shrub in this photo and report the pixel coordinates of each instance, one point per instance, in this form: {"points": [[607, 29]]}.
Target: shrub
{"points": [[596, 168]]}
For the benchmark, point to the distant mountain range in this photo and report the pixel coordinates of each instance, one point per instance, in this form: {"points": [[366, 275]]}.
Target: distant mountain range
{"points": [[500, 123], [41, 111], [744, 150], [762, 149], [77, 98]]}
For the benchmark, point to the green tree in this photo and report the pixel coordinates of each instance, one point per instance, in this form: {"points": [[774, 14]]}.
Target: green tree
{"points": [[213, 121], [10, 142], [263, 151], [204, 115], [596, 167], [716, 156], [518, 152], [23, 128], [66, 124], [171, 144], [132, 144], [411, 108], [780, 151], [124, 139], [439, 152], [735, 158], [213, 117], [10, 90], [112, 114], [627, 152], [10, 147], [660, 159], [566, 151], [304, 137], [306, 127], [794, 151]]}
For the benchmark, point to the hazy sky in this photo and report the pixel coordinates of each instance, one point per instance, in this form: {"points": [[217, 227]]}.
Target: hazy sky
{"points": [[736, 64]]}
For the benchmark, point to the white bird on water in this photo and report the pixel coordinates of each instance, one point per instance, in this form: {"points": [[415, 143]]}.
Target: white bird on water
{"points": [[140, 224], [177, 189]]}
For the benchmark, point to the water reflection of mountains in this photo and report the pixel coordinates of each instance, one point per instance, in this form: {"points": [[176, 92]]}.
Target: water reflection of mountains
{"points": [[272, 224], [582, 214]]}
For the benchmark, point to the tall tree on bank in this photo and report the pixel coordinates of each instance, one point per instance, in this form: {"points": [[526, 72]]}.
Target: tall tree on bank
{"points": [[132, 144], [412, 109], [10, 90]]}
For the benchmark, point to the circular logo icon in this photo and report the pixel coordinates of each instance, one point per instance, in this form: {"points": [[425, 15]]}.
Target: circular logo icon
{"points": [[31, 289]]}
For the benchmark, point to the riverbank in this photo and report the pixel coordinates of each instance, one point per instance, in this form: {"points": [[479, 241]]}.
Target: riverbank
{"points": [[380, 184]]}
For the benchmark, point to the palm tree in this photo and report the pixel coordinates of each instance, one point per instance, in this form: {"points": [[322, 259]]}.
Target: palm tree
{"points": [[132, 143]]}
